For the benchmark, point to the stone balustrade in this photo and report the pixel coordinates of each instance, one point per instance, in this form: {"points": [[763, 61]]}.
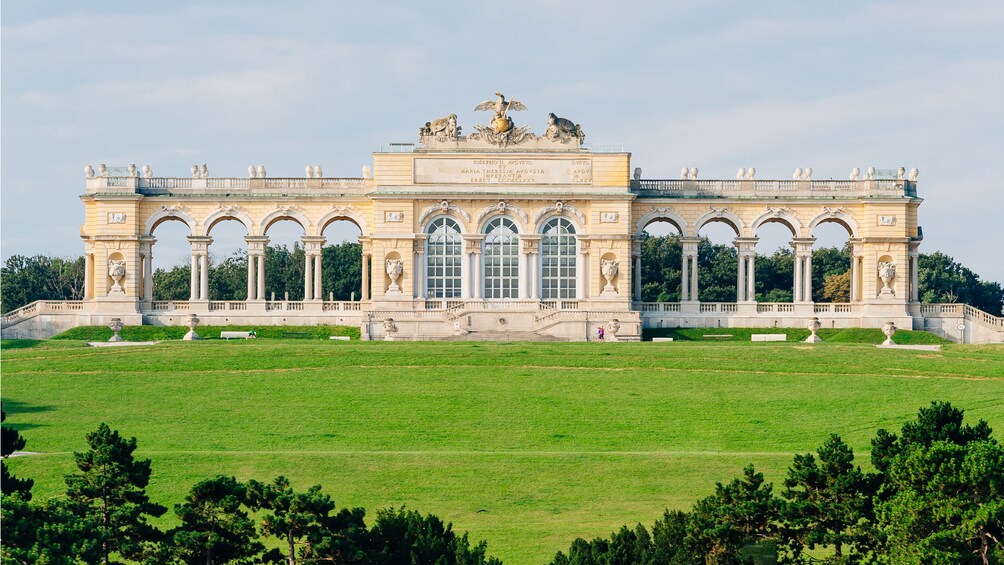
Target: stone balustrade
{"points": [[166, 186], [672, 188]]}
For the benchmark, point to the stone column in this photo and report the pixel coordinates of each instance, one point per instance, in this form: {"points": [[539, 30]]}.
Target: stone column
{"points": [[694, 293], [582, 272], [312, 246], [638, 277], [308, 276], [256, 266], [365, 277], [318, 294], [807, 277], [803, 268], [260, 294], [193, 283], [796, 288], [856, 259], [88, 276], [740, 277], [688, 275], [751, 278], [204, 276], [523, 276], [251, 277], [419, 269], [200, 266], [685, 278], [529, 245], [914, 272], [478, 275]]}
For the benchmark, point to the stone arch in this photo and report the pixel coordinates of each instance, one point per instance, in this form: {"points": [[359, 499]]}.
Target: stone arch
{"points": [[567, 211], [838, 216], [503, 208], [228, 213], [343, 213], [782, 216], [661, 215], [169, 214], [445, 208], [286, 213], [723, 215]]}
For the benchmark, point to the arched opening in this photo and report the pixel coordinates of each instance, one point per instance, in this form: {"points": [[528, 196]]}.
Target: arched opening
{"points": [[718, 261], [341, 261], [284, 260], [558, 253], [228, 260], [443, 259], [171, 262], [661, 262], [775, 260], [831, 262], [500, 259]]}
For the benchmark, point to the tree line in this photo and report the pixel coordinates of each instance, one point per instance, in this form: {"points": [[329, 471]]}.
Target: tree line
{"points": [[936, 495], [941, 278]]}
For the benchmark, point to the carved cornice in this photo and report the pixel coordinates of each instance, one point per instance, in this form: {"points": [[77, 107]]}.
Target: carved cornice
{"points": [[503, 208], [444, 207], [559, 208]]}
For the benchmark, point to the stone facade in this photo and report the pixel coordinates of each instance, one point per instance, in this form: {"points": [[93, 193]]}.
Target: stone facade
{"points": [[543, 234]]}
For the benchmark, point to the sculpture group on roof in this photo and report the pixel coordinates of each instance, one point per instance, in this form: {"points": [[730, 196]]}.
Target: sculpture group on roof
{"points": [[500, 131]]}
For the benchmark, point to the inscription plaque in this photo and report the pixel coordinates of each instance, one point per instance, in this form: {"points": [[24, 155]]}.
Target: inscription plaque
{"points": [[503, 171]]}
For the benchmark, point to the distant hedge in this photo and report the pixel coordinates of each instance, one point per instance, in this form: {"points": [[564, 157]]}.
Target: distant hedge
{"points": [[161, 333]]}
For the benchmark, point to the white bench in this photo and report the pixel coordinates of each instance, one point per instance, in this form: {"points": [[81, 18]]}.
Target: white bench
{"points": [[717, 336], [235, 335], [339, 337], [769, 337], [654, 339]]}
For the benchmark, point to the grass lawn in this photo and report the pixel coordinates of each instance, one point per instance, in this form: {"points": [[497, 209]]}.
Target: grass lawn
{"points": [[525, 445]]}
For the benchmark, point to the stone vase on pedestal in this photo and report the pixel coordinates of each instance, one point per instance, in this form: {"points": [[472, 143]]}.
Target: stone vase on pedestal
{"points": [[395, 267], [611, 329], [389, 328], [193, 321], [609, 268], [886, 272], [115, 326], [813, 326], [889, 329]]}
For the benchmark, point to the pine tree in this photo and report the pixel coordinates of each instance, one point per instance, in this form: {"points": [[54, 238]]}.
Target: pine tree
{"points": [[110, 493], [11, 441]]}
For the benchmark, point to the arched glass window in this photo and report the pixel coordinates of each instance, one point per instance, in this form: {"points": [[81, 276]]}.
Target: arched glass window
{"points": [[443, 258], [557, 260], [500, 258]]}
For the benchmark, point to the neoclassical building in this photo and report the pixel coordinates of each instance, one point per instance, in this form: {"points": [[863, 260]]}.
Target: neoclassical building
{"points": [[501, 232]]}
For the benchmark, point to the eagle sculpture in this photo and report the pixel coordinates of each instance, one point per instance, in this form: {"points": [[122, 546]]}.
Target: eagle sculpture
{"points": [[501, 122]]}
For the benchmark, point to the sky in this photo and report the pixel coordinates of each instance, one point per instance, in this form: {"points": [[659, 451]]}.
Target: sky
{"points": [[708, 84]]}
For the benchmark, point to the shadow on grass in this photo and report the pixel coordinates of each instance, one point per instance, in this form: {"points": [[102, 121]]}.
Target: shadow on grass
{"points": [[14, 407]]}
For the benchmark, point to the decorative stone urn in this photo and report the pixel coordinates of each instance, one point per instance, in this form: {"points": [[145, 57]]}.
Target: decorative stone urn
{"points": [[608, 268], [611, 329], [389, 328], [193, 321], [886, 272], [394, 269], [813, 326], [889, 329], [117, 271], [116, 326]]}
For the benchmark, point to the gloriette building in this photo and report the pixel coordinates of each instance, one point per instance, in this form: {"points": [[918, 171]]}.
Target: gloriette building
{"points": [[499, 232]]}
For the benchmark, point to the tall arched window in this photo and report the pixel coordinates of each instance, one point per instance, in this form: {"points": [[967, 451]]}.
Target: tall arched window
{"points": [[501, 259], [557, 260], [443, 258]]}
